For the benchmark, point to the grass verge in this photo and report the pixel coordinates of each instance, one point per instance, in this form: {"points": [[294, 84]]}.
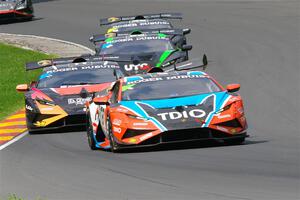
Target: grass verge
{"points": [[12, 73]]}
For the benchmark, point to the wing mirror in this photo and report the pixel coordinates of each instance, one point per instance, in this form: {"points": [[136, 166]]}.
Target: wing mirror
{"points": [[233, 87], [186, 31], [186, 47], [101, 100], [22, 88]]}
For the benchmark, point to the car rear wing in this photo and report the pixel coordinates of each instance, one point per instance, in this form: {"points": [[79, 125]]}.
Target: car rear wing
{"points": [[111, 20], [69, 60], [192, 64], [171, 32]]}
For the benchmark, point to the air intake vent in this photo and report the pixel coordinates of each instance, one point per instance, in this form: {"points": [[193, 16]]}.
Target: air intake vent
{"points": [[231, 123], [131, 133]]}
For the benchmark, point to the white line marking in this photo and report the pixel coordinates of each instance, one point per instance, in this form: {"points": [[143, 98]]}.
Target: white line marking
{"points": [[13, 140], [53, 39]]}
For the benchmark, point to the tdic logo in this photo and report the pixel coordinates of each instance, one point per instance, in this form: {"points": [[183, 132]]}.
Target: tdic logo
{"points": [[195, 113], [142, 66]]}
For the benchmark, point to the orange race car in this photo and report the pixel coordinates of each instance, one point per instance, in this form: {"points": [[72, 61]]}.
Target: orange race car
{"points": [[160, 108]]}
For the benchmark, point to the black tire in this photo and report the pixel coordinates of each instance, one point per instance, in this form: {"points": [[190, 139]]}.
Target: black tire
{"points": [[31, 132], [235, 141], [113, 145], [89, 132]]}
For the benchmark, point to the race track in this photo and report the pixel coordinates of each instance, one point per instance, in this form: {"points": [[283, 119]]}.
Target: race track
{"points": [[254, 43]]}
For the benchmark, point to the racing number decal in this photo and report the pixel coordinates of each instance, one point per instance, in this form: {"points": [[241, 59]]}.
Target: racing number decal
{"points": [[102, 118]]}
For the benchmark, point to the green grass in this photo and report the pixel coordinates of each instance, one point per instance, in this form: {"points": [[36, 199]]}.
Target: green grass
{"points": [[12, 73], [15, 197]]}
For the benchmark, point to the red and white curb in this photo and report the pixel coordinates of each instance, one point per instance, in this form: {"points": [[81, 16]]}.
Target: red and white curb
{"points": [[12, 129]]}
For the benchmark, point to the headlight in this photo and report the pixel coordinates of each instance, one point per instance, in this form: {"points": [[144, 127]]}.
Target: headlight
{"points": [[45, 102], [224, 109]]}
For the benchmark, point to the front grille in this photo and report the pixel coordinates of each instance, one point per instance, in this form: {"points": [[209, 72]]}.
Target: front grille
{"points": [[75, 119], [188, 134], [131, 133]]}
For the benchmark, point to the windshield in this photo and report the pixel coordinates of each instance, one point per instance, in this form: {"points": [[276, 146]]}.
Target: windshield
{"points": [[166, 87], [130, 46], [76, 77]]}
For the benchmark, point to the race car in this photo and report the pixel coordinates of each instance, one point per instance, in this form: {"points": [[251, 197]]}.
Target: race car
{"points": [[141, 22], [158, 108], [177, 36], [146, 51], [57, 99], [16, 9], [144, 23]]}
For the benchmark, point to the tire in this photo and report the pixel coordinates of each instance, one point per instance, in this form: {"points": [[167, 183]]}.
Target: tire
{"points": [[90, 135], [235, 141], [113, 145]]}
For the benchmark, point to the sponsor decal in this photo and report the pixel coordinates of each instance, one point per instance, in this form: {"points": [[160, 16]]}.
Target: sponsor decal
{"points": [[44, 62], [113, 19], [40, 123], [79, 101], [142, 66], [147, 23], [223, 116], [195, 113], [165, 78], [151, 38], [122, 110], [140, 124], [28, 107], [117, 122], [117, 129], [87, 67], [125, 25]]}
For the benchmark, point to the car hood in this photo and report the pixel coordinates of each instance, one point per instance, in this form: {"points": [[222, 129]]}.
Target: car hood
{"points": [[143, 62], [179, 113], [68, 98], [7, 6]]}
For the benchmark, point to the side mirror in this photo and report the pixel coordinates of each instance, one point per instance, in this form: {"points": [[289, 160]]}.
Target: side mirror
{"points": [[186, 31], [101, 100], [186, 47], [22, 88], [233, 87]]}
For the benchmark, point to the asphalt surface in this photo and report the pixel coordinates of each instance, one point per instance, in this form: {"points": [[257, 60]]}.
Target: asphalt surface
{"points": [[254, 43]]}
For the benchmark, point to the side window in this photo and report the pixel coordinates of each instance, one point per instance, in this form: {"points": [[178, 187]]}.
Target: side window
{"points": [[115, 92]]}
